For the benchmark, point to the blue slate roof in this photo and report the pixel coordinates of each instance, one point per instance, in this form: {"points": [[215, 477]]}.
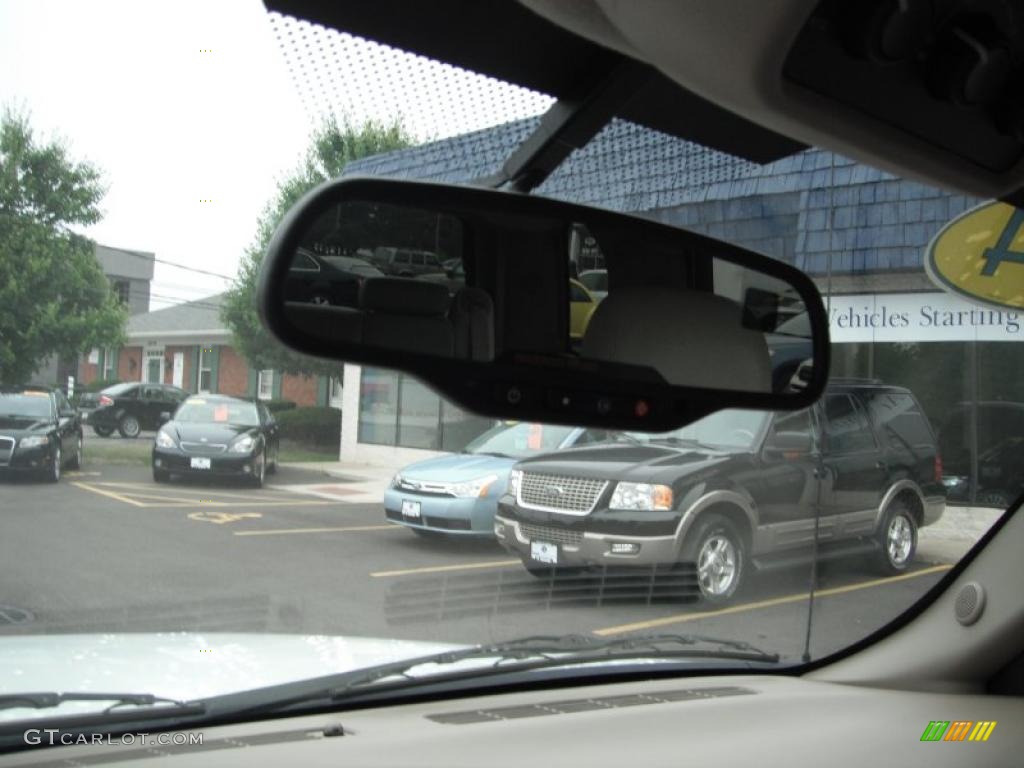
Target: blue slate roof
{"points": [[879, 222]]}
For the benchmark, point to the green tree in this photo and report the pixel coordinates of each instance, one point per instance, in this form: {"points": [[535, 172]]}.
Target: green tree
{"points": [[53, 293], [334, 145]]}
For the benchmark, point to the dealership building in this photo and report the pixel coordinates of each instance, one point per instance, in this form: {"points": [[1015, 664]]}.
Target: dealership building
{"points": [[859, 232]]}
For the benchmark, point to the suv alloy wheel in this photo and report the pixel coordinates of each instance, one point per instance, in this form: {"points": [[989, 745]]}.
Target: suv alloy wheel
{"points": [[715, 548], [898, 538]]}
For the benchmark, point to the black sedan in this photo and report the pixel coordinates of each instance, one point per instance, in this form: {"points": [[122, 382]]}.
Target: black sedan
{"points": [[316, 278], [40, 432], [129, 407], [216, 435]]}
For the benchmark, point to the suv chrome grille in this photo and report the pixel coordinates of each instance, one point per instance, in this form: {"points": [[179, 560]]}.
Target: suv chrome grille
{"points": [[203, 447], [559, 493], [551, 535]]}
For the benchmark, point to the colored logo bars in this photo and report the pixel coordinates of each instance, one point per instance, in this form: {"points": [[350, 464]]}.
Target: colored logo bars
{"points": [[958, 730]]}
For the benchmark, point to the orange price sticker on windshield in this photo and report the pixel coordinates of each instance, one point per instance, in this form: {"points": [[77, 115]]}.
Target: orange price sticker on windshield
{"points": [[220, 413], [534, 437]]}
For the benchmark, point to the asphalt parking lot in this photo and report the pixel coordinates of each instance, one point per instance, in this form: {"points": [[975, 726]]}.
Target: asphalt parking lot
{"points": [[107, 549]]}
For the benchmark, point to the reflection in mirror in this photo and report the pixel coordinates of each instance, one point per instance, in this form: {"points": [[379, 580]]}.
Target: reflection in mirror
{"points": [[483, 285]]}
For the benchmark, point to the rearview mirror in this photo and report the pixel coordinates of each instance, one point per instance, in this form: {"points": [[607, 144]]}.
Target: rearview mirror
{"points": [[688, 324]]}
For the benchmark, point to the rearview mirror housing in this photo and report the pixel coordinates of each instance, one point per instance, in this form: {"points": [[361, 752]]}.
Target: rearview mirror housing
{"points": [[689, 325]]}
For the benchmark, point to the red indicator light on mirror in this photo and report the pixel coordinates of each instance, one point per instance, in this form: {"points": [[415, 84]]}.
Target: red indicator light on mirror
{"points": [[641, 409]]}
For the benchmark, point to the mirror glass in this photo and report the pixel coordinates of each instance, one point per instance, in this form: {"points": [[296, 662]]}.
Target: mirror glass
{"points": [[641, 302]]}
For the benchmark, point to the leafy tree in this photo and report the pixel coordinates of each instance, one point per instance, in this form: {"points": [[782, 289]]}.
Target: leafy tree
{"points": [[53, 292], [333, 147]]}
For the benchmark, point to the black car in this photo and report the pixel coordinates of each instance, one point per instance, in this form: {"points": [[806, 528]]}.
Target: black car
{"points": [[217, 435], [736, 489], [1000, 462], [129, 407], [40, 432], [327, 279]]}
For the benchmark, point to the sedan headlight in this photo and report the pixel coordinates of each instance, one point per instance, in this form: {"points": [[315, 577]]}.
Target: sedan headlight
{"points": [[641, 496], [164, 440], [34, 441], [243, 444], [515, 479], [472, 488]]}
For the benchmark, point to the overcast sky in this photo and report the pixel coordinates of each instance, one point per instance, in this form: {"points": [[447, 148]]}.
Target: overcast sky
{"points": [[182, 102]]}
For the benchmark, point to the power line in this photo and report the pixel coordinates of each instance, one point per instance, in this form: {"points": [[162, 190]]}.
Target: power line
{"points": [[174, 264]]}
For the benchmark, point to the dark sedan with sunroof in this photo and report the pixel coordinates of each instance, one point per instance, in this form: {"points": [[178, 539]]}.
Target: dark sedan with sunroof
{"points": [[217, 435]]}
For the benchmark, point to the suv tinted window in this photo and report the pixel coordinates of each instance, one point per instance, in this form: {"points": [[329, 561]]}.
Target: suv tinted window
{"points": [[899, 420], [402, 257], [846, 427]]}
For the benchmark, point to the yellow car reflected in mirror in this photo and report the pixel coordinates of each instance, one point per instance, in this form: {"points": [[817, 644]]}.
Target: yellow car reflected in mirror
{"points": [[581, 306]]}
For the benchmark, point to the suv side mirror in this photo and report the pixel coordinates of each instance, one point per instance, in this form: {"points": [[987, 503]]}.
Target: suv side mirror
{"points": [[165, 416], [790, 444]]}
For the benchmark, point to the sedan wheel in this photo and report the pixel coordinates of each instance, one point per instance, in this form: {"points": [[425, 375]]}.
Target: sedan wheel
{"points": [[76, 463], [53, 473], [129, 426], [103, 431], [259, 471]]}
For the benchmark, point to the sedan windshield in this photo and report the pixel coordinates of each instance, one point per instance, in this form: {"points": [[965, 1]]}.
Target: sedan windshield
{"points": [[519, 440], [215, 412], [32, 404]]}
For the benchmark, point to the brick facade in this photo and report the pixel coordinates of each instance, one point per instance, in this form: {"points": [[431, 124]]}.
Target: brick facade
{"points": [[233, 374], [299, 389], [129, 364]]}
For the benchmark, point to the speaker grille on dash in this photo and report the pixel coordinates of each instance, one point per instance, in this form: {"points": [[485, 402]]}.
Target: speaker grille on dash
{"points": [[970, 602]]}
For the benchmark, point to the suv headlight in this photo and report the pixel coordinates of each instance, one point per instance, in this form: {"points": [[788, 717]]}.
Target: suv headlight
{"points": [[515, 479], [243, 444], [164, 440], [472, 488], [641, 496], [34, 441]]}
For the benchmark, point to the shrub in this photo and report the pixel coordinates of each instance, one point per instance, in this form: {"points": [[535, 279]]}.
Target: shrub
{"points": [[311, 426], [276, 406]]}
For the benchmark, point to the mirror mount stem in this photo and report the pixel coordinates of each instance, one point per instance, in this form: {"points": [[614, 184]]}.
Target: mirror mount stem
{"points": [[568, 125]]}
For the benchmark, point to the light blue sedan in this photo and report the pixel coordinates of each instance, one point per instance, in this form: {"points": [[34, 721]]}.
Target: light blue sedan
{"points": [[458, 494]]}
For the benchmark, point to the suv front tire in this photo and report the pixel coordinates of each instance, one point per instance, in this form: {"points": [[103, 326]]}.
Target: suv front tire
{"points": [[715, 548], [897, 538]]}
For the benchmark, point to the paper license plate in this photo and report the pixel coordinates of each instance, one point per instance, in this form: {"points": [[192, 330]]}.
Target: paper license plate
{"points": [[410, 509], [200, 463], [543, 552]]}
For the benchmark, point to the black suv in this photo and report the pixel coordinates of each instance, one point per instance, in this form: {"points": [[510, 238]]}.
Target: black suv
{"points": [[129, 407], [734, 490], [40, 432]]}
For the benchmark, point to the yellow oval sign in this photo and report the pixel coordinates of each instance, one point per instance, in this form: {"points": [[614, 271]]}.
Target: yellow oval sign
{"points": [[980, 256]]}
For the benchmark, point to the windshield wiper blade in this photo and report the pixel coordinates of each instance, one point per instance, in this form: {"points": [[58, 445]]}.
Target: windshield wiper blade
{"points": [[496, 454], [687, 441], [524, 654], [49, 700]]}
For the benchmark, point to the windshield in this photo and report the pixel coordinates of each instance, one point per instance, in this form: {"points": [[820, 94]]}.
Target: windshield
{"points": [[217, 412], [520, 440], [725, 429], [148, 151], [29, 404]]}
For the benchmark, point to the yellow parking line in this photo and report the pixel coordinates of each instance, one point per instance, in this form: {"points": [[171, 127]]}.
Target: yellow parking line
{"points": [[744, 608], [228, 494], [110, 494], [228, 504], [445, 568], [344, 528]]}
